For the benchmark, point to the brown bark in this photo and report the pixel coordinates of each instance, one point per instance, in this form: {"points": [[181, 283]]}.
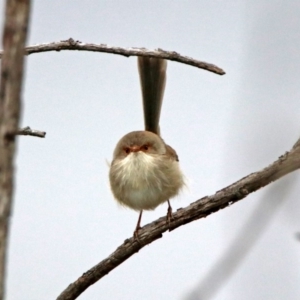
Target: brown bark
{"points": [[14, 37]]}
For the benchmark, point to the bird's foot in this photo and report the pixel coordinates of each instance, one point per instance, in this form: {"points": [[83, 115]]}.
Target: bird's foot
{"points": [[169, 214]]}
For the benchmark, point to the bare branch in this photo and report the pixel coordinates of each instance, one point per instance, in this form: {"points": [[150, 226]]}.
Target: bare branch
{"points": [[286, 163], [297, 144], [28, 131], [14, 37], [71, 44]]}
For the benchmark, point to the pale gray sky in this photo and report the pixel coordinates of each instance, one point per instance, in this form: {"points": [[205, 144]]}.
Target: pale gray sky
{"points": [[65, 219]]}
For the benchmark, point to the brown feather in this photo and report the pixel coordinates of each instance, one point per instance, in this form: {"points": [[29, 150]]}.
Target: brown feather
{"points": [[153, 80]]}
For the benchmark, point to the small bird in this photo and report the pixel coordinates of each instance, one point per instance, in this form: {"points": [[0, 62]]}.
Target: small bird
{"points": [[145, 171]]}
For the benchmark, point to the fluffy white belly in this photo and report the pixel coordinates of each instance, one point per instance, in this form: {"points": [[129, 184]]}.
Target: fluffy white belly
{"points": [[145, 181]]}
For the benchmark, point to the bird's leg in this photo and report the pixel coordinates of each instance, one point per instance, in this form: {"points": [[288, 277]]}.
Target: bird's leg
{"points": [[135, 233], [169, 213]]}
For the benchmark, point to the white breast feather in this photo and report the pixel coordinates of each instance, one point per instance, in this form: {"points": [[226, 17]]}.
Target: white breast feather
{"points": [[143, 185]]}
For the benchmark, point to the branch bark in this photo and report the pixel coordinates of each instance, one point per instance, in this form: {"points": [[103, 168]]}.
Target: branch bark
{"points": [[14, 37], [71, 44], [28, 131], [286, 164]]}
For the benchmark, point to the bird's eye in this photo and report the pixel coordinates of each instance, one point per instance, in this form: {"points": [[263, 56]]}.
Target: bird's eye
{"points": [[145, 147], [127, 150]]}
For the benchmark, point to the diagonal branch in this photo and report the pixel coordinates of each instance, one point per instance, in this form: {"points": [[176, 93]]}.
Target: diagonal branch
{"points": [[71, 44], [14, 37], [286, 164]]}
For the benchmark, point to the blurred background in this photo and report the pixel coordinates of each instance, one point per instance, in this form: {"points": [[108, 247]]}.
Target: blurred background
{"points": [[65, 219]]}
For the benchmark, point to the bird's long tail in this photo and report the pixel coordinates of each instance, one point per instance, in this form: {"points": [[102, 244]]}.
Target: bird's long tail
{"points": [[153, 80]]}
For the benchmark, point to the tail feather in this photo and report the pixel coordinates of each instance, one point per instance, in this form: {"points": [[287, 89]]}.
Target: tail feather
{"points": [[153, 80]]}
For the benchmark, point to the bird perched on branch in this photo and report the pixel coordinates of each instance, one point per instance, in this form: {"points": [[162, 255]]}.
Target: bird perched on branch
{"points": [[145, 171]]}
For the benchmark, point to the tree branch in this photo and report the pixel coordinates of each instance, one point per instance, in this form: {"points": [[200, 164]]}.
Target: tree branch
{"points": [[286, 163], [14, 37], [28, 131], [71, 44]]}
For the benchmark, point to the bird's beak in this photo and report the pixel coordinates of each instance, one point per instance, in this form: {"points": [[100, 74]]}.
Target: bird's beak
{"points": [[135, 148]]}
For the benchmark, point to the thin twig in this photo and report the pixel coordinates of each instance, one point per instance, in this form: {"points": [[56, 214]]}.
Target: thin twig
{"points": [[72, 44], [14, 38], [28, 131], [287, 163]]}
